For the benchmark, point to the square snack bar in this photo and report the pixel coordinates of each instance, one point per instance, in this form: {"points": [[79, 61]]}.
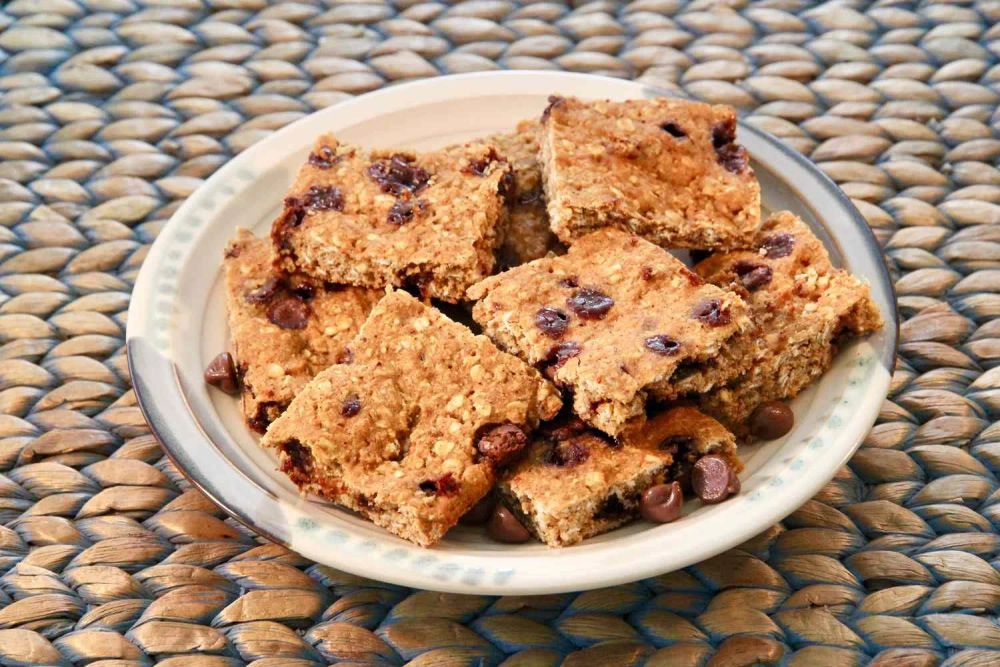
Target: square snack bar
{"points": [[283, 334], [668, 170], [615, 320], [431, 221], [601, 481], [411, 431], [528, 235], [803, 309]]}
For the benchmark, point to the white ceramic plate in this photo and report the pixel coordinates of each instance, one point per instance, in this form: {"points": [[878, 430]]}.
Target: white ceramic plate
{"points": [[176, 324]]}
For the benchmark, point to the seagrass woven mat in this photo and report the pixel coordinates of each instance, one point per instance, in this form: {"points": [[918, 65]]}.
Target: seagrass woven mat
{"points": [[113, 111]]}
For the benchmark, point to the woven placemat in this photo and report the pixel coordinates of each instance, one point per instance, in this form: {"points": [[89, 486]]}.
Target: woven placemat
{"points": [[113, 111]]}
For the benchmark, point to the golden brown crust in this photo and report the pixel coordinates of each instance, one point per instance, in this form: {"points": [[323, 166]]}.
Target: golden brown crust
{"points": [[668, 170], [404, 454]]}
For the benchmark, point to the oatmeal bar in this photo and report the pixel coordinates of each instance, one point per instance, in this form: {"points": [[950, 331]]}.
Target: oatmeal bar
{"points": [[430, 221], [668, 170], [600, 481], [283, 334], [615, 320], [802, 308], [528, 235], [411, 431]]}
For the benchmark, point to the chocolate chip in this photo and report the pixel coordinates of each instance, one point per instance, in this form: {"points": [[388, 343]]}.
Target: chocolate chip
{"points": [[221, 373], [303, 290], [289, 312], [552, 321], [673, 129], [505, 188], [481, 512], [267, 411], [569, 281], [324, 198], [482, 165], [566, 454], [291, 217], [712, 313], [724, 133], [504, 527], [351, 406], [776, 246], [558, 355], [403, 211], [771, 420], [501, 443], [663, 345], [324, 158], [265, 292], [297, 461], [564, 430], [398, 175], [752, 275], [589, 303], [713, 480], [554, 101], [662, 503], [646, 273], [445, 485], [733, 158]]}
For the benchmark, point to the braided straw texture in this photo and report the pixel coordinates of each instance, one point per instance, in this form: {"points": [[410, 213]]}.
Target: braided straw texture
{"points": [[113, 111]]}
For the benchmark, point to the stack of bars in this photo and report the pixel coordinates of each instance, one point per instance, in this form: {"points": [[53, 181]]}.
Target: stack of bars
{"points": [[495, 332]]}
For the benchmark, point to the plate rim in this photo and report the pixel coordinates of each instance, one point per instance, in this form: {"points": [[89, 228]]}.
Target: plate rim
{"points": [[153, 417]]}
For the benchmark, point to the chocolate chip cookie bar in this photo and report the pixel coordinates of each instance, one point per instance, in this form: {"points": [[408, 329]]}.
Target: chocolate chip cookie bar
{"points": [[375, 218], [528, 235], [615, 320], [668, 170], [283, 332], [412, 430], [601, 481], [802, 308]]}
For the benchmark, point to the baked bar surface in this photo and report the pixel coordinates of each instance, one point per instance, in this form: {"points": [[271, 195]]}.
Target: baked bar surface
{"points": [[668, 170], [575, 483], [803, 308], [397, 433], [377, 218], [613, 320], [283, 334]]}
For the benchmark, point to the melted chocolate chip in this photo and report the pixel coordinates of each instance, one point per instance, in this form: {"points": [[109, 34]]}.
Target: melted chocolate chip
{"points": [[771, 420], [662, 503], [590, 304], [776, 246], [291, 217], [564, 430], [730, 155], [480, 512], [221, 373], [445, 485], [552, 321], [501, 443], [673, 129], [554, 101], [713, 480], [324, 158], [752, 275], [663, 345], [403, 211], [398, 175], [712, 313], [297, 460], [303, 290], [324, 198], [265, 292], [646, 273], [569, 281], [351, 406], [504, 527], [482, 165], [266, 412], [558, 355], [724, 133], [289, 312], [566, 454]]}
